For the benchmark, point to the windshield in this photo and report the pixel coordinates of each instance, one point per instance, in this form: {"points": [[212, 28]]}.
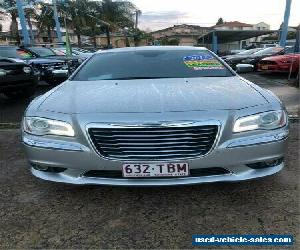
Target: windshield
{"points": [[150, 64], [82, 50], [288, 50], [269, 51], [42, 52], [15, 53], [59, 52]]}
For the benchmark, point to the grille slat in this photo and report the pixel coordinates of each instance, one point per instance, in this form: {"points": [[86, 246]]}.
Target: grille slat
{"points": [[125, 135], [145, 148], [158, 137], [138, 143]]}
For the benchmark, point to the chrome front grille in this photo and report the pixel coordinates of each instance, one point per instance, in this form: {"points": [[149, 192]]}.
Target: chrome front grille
{"points": [[51, 66], [153, 143]]}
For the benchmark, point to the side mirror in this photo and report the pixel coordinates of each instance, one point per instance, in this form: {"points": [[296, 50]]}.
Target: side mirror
{"points": [[244, 68]]}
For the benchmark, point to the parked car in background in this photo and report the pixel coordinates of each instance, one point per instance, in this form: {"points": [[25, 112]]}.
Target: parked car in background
{"points": [[83, 54], [17, 79], [150, 116], [268, 45], [233, 60], [43, 52], [235, 51], [282, 63], [273, 51], [51, 70]]}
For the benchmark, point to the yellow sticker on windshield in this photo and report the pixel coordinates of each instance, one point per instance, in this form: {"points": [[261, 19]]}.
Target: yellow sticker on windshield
{"points": [[202, 62]]}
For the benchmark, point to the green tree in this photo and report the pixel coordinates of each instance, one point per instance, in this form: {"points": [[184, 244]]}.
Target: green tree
{"points": [[46, 20], [220, 21], [76, 14], [118, 14]]}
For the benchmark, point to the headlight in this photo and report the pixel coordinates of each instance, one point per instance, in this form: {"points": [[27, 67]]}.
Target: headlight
{"points": [[27, 70], [43, 126], [266, 120], [2, 72], [286, 61]]}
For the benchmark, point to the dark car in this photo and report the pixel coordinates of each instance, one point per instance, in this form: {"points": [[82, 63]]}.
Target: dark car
{"points": [[44, 52], [52, 71], [233, 60], [17, 79], [273, 51]]}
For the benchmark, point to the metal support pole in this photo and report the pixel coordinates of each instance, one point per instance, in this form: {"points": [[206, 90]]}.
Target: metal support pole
{"points": [[285, 25], [297, 44], [26, 39], [214, 42], [57, 24]]}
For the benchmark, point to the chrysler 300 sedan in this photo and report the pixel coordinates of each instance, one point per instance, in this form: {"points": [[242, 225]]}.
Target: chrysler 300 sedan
{"points": [[152, 116]]}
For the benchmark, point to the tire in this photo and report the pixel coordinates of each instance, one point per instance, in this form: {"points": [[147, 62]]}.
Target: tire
{"points": [[23, 93]]}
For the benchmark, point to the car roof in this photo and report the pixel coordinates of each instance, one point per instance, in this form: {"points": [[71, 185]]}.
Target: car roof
{"points": [[150, 48]]}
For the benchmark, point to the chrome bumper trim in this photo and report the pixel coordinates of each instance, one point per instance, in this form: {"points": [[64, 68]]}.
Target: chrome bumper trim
{"points": [[259, 140], [60, 72], [80, 180], [71, 146]]}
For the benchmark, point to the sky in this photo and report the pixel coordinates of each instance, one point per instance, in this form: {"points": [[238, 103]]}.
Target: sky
{"points": [[157, 14]]}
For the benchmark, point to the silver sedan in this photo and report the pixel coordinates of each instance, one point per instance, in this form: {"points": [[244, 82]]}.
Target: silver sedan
{"points": [[151, 116]]}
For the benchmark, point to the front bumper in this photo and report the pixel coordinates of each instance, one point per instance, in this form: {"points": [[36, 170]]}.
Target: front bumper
{"points": [[17, 82], [55, 75], [235, 155], [275, 68]]}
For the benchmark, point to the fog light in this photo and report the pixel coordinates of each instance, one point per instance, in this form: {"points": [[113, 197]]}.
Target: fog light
{"points": [[39, 167], [2, 72], [265, 164], [47, 169], [27, 70]]}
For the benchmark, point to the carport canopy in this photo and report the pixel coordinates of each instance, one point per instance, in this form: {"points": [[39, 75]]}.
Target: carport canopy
{"points": [[227, 36]]}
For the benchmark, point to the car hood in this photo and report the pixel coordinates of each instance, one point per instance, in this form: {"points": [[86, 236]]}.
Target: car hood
{"points": [[235, 57], [43, 61], [152, 95], [258, 56], [64, 58], [282, 57], [37, 60]]}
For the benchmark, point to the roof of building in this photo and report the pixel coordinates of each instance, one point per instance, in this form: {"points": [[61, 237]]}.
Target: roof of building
{"points": [[181, 25], [233, 24], [226, 36]]}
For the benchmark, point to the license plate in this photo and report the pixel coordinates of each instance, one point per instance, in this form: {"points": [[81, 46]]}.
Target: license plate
{"points": [[264, 67], [155, 170]]}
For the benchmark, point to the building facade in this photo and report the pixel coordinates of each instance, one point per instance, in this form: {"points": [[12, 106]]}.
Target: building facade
{"points": [[184, 34]]}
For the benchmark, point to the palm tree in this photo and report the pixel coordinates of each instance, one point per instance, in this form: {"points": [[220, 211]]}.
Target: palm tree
{"points": [[30, 13], [46, 20], [75, 13], [119, 14], [10, 6]]}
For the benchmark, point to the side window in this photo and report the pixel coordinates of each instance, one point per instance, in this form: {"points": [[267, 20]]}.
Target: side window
{"points": [[24, 54], [288, 50]]}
